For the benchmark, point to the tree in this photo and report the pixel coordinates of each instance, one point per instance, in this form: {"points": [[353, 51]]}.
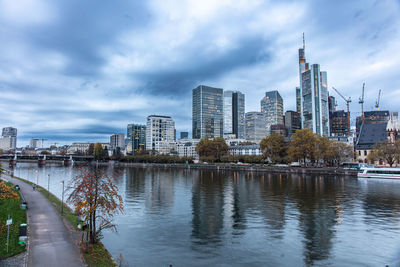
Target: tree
{"points": [[274, 148], [90, 150], [95, 196], [212, 149], [302, 146], [385, 151], [98, 151], [324, 149]]}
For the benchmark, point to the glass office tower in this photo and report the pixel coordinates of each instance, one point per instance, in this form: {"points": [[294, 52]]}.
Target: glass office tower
{"points": [[314, 96], [234, 117], [136, 134], [207, 112], [272, 107]]}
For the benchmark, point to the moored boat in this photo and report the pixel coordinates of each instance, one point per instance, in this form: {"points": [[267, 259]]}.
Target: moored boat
{"points": [[380, 173]]}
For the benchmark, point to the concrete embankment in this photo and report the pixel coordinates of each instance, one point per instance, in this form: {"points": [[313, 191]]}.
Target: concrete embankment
{"points": [[245, 168]]}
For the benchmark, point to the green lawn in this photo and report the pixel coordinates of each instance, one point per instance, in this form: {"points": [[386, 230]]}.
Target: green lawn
{"points": [[12, 208]]}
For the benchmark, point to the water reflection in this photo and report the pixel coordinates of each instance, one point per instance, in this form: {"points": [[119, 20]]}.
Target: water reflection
{"points": [[190, 217]]}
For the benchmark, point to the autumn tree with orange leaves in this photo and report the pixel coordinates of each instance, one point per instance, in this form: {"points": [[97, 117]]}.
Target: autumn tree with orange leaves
{"points": [[94, 195]]}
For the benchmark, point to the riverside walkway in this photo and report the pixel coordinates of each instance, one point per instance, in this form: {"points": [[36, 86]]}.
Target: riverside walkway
{"points": [[51, 243]]}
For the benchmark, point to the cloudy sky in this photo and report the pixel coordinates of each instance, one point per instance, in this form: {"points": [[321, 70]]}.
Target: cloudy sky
{"points": [[81, 70]]}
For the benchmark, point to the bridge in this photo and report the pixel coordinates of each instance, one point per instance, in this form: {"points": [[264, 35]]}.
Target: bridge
{"points": [[41, 159]]}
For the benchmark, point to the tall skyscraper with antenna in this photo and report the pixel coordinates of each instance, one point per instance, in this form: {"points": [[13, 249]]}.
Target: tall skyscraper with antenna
{"points": [[313, 96]]}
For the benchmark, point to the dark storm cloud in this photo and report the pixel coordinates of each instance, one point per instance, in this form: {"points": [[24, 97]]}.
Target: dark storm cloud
{"points": [[197, 68], [85, 27]]}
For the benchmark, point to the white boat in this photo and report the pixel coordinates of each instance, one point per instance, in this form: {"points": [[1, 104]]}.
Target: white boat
{"points": [[380, 173]]}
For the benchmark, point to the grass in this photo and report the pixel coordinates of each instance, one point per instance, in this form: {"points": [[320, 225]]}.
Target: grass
{"points": [[98, 255], [12, 208]]}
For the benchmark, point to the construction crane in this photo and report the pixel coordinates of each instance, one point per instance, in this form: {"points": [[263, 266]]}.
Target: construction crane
{"points": [[348, 101], [361, 101], [377, 102]]}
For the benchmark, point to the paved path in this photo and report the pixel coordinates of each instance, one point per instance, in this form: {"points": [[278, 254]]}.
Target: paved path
{"points": [[50, 242]]}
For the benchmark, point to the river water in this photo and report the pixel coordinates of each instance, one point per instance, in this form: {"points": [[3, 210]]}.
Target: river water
{"points": [[198, 218]]}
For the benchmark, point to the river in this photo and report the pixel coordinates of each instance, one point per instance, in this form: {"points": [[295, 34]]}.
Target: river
{"points": [[198, 218]]}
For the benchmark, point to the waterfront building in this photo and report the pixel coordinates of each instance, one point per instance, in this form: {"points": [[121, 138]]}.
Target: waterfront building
{"points": [[375, 116], [236, 142], [184, 135], [234, 113], [338, 123], [248, 150], [292, 122], [6, 143], [314, 96], [34, 143], [272, 107], [369, 135], [187, 148], [78, 148], [256, 128], [117, 140], [136, 135], [207, 112], [10, 134], [160, 131]]}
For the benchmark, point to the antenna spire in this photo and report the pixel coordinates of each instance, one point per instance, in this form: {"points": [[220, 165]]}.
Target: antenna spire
{"points": [[304, 42]]}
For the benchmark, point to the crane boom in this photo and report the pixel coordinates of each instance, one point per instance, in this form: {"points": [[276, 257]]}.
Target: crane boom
{"points": [[377, 102], [361, 101], [348, 101]]}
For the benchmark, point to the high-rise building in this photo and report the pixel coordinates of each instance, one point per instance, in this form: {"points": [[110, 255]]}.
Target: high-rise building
{"points": [[298, 100], [292, 122], [207, 112], [184, 135], [272, 107], [256, 128], [136, 135], [11, 133], [34, 143], [117, 140], [338, 123], [234, 113], [314, 96], [331, 104], [160, 133]]}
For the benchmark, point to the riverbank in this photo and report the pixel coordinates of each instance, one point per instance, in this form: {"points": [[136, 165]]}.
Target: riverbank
{"points": [[98, 254], [246, 168]]}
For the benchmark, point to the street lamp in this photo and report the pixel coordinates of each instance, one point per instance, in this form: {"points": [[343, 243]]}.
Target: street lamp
{"points": [[62, 198], [37, 177], [48, 185]]}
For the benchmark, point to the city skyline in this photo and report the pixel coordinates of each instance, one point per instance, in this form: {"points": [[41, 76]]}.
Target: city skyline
{"points": [[147, 58]]}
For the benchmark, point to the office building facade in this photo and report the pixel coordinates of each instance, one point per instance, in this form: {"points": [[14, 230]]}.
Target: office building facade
{"points": [[117, 141], [184, 135], [338, 123], [11, 134], [234, 113], [160, 130], [136, 135], [207, 112], [298, 100], [272, 107], [314, 96], [292, 122], [256, 128]]}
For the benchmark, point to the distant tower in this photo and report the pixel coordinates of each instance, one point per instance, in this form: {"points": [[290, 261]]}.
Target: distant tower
{"points": [[272, 107]]}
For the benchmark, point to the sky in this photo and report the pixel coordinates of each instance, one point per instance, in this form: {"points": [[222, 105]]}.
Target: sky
{"points": [[82, 70]]}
